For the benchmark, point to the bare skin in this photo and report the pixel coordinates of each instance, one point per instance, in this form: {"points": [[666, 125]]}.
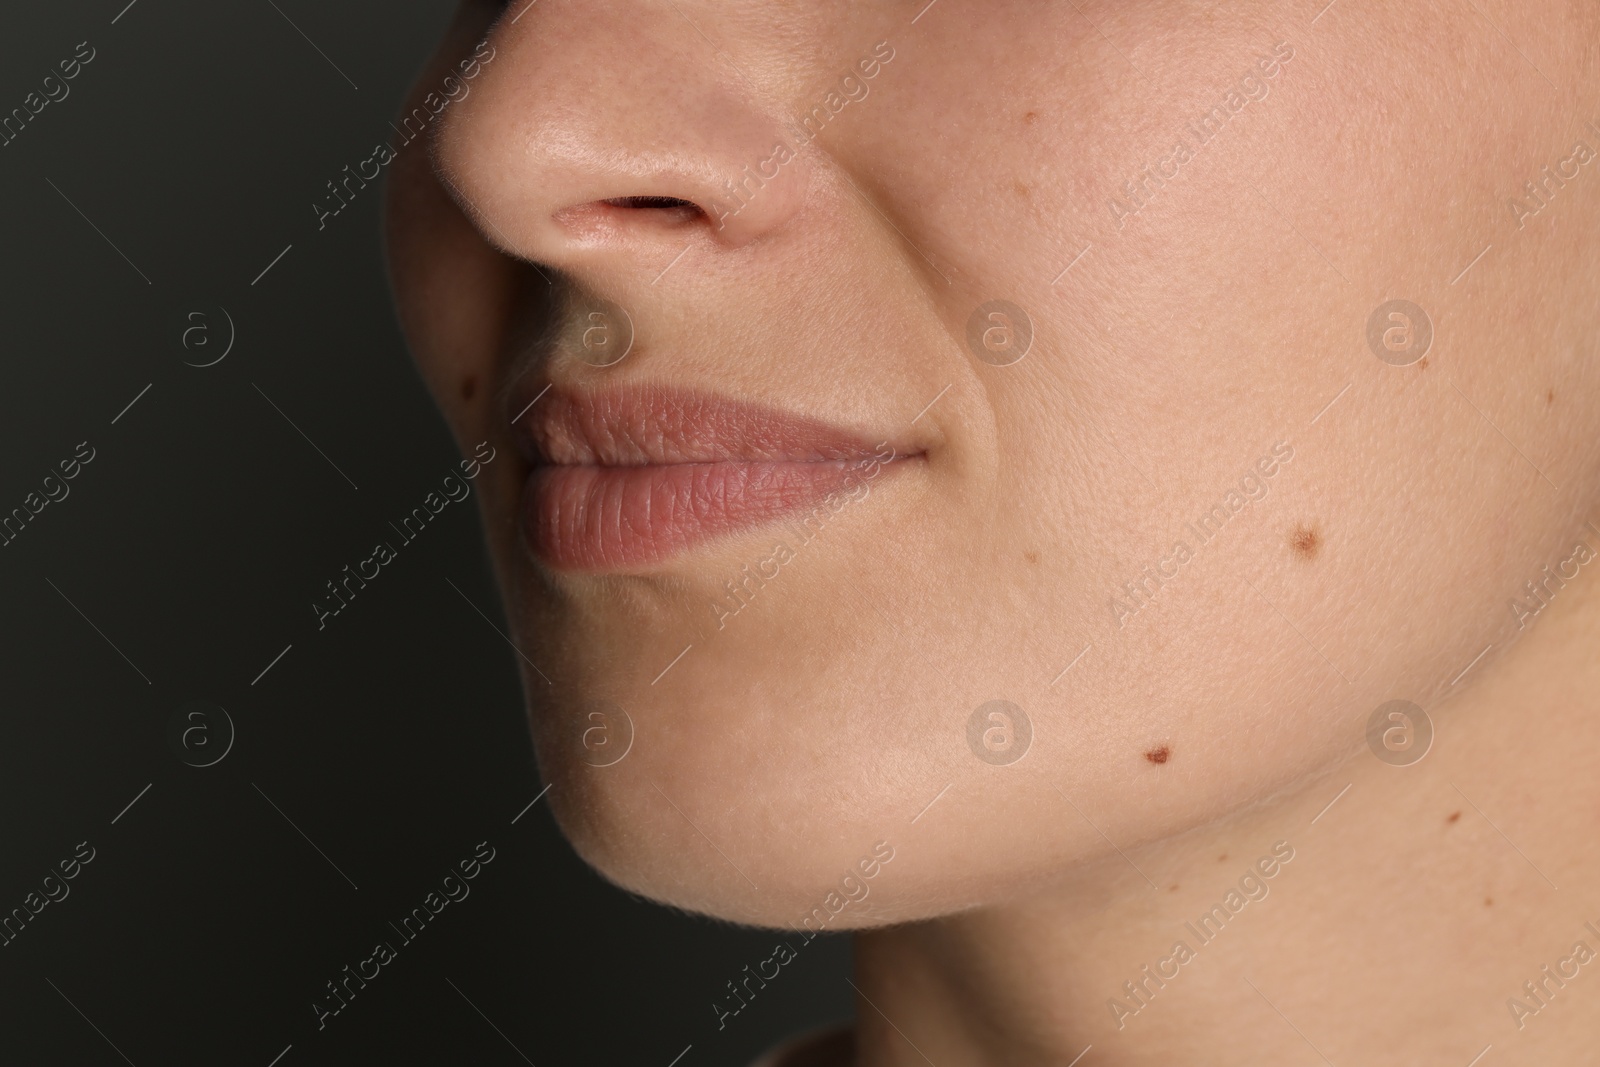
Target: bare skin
{"points": [[1396, 935], [1289, 397]]}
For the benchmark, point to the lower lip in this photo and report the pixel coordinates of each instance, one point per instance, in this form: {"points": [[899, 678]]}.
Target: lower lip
{"points": [[591, 518]]}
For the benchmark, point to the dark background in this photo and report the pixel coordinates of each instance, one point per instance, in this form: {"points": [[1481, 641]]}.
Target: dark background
{"points": [[375, 753]]}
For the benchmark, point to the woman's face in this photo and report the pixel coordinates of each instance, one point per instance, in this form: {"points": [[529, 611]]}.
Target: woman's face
{"points": [[1193, 384]]}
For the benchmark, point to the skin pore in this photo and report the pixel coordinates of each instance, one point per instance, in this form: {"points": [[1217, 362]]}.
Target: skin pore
{"points": [[1117, 283]]}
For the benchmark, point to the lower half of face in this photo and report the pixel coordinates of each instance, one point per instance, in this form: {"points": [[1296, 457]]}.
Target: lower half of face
{"points": [[1062, 437]]}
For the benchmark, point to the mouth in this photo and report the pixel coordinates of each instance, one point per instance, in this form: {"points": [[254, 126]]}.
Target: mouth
{"points": [[634, 476]]}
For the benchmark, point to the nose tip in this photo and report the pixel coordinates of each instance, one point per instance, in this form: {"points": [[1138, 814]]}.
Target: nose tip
{"points": [[596, 140]]}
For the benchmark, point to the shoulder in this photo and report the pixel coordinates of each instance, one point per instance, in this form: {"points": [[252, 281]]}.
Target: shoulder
{"points": [[832, 1046]]}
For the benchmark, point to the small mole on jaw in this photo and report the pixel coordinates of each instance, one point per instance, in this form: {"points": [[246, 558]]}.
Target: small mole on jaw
{"points": [[1423, 364], [1550, 397], [469, 387], [1488, 902], [1158, 755], [1032, 116], [1222, 858], [1306, 542], [1454, 815], [1031, 557]]}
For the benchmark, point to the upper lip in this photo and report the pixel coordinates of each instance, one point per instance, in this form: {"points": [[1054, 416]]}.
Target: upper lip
{"points": [[649, 425]]}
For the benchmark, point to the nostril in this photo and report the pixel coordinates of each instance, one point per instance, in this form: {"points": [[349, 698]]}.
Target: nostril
{"points": [[619, 214], [650, 202]]}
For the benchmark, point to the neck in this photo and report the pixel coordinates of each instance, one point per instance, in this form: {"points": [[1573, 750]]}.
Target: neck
{"points": [[1418, 920]]}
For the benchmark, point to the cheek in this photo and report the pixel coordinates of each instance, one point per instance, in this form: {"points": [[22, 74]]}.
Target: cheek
{"points": [[452, 290]]}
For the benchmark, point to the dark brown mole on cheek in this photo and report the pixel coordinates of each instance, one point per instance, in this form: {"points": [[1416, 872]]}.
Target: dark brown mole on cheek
{"points": [[1454, 815], [469, 387], [1306, 542], [1158, 755], [1031, 117]]}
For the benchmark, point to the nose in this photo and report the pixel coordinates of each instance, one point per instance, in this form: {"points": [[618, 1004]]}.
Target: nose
{"points": [[606, 133]]}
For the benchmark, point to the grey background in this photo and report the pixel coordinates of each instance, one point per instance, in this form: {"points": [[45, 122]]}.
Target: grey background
{"points": [[185, 559]]}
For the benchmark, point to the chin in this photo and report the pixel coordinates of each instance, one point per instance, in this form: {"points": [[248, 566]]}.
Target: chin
{"points": [[704, 815]]}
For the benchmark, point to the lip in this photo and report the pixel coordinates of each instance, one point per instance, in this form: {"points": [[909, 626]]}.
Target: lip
{"points": [[633, 476]]}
